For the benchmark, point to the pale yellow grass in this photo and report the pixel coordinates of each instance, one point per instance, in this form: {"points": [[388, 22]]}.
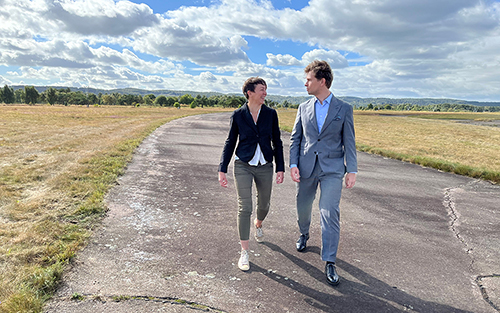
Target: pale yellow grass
{"points": [[56, 164], [52, 185], [434, 140], [470, 145]]}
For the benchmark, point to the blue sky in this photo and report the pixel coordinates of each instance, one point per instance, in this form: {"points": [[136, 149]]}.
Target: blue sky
{"points": [[161, 6], [377, 48]]}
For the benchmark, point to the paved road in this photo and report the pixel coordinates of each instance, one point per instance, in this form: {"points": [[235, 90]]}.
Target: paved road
{"points": [[413, 239]]}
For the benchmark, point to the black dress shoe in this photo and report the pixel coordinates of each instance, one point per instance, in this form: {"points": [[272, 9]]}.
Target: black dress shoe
{"points": [[301, 243], [331, 274]]}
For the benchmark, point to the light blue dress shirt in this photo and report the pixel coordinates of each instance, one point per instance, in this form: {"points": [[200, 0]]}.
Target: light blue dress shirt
{"points": [[322, 110]]}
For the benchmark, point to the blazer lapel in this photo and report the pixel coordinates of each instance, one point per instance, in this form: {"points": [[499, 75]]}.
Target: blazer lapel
{"points": [[249, 119], [333, 113], [311, 113]]}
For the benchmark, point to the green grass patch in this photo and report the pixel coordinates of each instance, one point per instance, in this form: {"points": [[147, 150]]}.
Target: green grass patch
{"points": [[58, 163]]}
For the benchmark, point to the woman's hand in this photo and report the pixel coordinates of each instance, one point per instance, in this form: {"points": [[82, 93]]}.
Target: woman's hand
{"points": [[222, 179], [280, 176]]}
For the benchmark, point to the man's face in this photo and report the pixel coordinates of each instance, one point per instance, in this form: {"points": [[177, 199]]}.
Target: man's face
{"points": [[312, 84], [258, 95]]}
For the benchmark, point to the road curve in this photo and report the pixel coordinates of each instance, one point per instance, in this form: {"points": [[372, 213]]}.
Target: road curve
{"points": [[413, 239]]}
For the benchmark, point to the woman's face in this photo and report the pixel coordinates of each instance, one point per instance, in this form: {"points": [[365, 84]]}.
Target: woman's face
{"points": [[259, 95]]}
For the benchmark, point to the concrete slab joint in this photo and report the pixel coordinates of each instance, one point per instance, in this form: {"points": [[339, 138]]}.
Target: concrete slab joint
{"points": [[102, 299], [487, 284]]}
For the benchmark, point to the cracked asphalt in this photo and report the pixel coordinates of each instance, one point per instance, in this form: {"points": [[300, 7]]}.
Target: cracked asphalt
{"points": [[413, 239]]}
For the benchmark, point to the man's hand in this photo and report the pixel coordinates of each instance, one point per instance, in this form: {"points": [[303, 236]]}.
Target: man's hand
{"points": [[294, 171], [350, 180], [222, 179], [280, 176]]}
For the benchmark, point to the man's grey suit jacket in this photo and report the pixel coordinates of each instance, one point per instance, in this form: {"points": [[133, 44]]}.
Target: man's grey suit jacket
{"points": [[335, 146]]}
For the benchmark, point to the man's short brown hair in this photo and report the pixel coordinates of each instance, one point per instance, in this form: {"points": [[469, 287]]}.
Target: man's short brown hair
{"points": [[250, 83], [321, 69]]}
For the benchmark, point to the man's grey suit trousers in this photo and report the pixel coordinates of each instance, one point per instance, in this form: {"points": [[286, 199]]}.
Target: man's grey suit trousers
{"points": [[329, 200]]}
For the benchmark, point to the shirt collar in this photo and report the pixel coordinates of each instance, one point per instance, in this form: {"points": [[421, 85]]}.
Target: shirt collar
{"points": [[326, 101]]}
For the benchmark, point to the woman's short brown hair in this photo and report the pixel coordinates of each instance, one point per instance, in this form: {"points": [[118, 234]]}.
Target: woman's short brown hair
{"points": [[250, 83]]}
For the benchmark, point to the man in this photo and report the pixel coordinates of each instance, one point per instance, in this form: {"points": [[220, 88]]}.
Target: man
{"points": [[322, 150]]}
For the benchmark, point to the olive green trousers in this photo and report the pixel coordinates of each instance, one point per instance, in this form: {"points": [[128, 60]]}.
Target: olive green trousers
{"points": [[244, 176]]}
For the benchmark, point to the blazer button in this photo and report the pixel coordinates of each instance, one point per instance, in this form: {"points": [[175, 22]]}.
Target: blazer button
{"points": [[319, 139]]}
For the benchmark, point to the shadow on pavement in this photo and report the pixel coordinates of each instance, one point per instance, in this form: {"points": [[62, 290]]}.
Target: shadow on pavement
{"points": [[368, 294]]}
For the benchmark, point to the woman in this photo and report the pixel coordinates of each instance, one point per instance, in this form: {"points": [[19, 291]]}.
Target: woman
{"points": [[255, 128]]}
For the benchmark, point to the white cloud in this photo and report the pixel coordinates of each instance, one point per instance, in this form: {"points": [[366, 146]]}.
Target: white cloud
{"points": [[334, 58], [100, 17], [99, 77], [208, 77], [56, 53], [4, 81], [177, 40], [449, 51], [282, 60]]}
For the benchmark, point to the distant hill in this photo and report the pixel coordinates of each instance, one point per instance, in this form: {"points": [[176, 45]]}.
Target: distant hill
{"points": [[417, 101], [356, 101], [130, 91]]}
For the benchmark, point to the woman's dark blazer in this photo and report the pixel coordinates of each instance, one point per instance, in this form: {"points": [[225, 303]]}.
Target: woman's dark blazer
{"points": [[266, 133]]}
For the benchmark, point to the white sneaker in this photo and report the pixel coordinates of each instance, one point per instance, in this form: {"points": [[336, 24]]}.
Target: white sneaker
{"points": [[243, 263], [259, 234]]}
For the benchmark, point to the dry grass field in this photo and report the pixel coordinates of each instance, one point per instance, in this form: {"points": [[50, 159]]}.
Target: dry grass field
{"points": [[463, 143], [56, 165]]}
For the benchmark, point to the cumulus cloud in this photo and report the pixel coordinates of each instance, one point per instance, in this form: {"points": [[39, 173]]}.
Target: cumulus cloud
{"points": [[177, 40], [419, 43], [334, 58], [4, 81], [56, 53], [282, 60], [100, 17], [400, 47], [105, 77], [208, 77]]}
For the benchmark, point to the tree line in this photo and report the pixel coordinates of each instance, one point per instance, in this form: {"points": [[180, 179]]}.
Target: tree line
{"points": [[64, 96], [442, 107]]}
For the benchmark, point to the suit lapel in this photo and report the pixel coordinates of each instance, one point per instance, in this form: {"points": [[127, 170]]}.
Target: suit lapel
{"points": [[333, 113], [247, 116], [311, 113]]}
